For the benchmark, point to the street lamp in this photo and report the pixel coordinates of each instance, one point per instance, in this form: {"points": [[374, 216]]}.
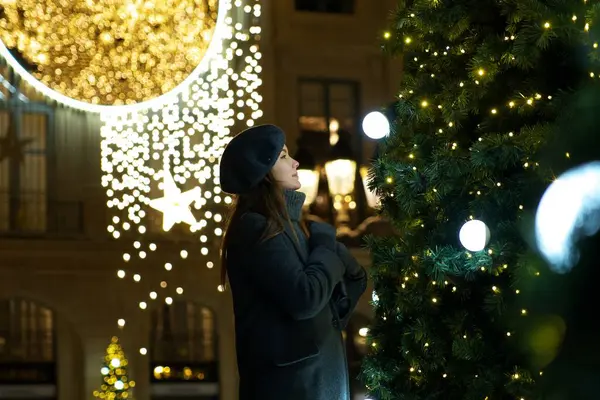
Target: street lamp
{"points": [[341, 173], [308, 174], [370, 195]]}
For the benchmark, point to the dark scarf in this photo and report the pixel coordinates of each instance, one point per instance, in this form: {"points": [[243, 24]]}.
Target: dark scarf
{"points": [[293, 202]]}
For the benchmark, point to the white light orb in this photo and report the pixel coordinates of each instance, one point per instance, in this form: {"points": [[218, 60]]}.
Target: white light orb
{"points": [[374, 297], [104, 370], [474, 235], [376, 125], [568, 212], [119, 385], [115, 362]]}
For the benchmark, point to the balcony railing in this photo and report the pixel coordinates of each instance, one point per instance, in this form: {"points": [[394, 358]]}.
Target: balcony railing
{"points": [[29, 346], [27, 373], [37, 216], [185, 349], [194, 372]]}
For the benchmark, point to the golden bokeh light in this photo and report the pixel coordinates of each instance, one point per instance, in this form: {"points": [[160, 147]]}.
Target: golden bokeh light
{"points": [[160, 165], [109, 52]]}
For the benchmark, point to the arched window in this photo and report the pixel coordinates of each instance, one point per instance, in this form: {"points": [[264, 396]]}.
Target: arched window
{"points": [[184, 358], [27, 350]]}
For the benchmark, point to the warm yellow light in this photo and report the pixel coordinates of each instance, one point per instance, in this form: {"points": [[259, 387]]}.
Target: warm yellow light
{"points": [[481, 72], [107, 52], [373, 200], [309, 181], [340, 176], [424, 103], [547, 25], [175, 205], [387, 35], [407, 40], [166, 157]]}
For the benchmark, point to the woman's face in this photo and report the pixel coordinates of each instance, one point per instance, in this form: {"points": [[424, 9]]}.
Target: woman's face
{"points": [[285, 171]]}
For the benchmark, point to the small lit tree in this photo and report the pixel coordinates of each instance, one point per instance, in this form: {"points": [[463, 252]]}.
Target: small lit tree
{"points": [[116, 384]]}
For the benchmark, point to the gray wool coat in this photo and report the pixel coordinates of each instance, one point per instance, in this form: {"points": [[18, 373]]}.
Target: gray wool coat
{"points": [[291, 302]]}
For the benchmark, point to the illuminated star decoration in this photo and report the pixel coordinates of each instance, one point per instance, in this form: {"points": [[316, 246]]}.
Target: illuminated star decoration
{"points": [[175, 205]]}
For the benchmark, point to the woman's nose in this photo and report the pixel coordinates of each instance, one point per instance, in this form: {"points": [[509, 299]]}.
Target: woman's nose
{"points": [[296, 164]]}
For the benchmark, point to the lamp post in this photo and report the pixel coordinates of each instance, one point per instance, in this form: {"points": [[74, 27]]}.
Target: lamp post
{"points": [[341, 174], [371, 196]]}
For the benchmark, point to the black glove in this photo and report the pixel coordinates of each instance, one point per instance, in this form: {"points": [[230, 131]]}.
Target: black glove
{"points": [[322, 234], [353, 268]]}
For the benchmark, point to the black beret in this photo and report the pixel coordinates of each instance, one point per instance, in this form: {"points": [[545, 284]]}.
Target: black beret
{"points": [[249, 157]]}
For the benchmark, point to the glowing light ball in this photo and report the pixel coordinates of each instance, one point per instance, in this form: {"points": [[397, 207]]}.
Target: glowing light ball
{"points": [[569, 210], [98, 54], [375, 297], [376, 125], [474, 235]]}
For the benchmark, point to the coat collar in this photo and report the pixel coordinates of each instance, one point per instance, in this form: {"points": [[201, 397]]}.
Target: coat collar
{"points": [[294, 201]]}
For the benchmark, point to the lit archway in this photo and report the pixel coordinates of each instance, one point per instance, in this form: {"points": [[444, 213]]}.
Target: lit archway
{"points": [[28, 343], [184, 352]]}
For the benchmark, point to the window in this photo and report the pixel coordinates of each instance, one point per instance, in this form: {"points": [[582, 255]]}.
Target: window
{"points": [[27, 343], [30, 159], [23, 172], [26, 127], [184, 352], [327, 109], [326, 6]]}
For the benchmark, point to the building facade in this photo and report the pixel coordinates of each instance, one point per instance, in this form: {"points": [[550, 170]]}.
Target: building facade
{"points": [[61, 300]]}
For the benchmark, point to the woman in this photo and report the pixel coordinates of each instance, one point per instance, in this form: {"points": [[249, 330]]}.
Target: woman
{"points": [[294, 287]]}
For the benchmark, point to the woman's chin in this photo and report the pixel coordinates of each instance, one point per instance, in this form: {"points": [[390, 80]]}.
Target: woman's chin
{"points": [[293, 185]]}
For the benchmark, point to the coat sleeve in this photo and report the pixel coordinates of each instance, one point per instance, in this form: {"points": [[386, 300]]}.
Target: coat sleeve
{"points": [[355, 285], [302, 291]]}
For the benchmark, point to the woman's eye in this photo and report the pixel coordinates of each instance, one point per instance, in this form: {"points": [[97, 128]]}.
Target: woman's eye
{"points": [[284, 156]]}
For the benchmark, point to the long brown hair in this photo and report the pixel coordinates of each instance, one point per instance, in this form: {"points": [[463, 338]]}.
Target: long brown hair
{"points": [[266, 199]]}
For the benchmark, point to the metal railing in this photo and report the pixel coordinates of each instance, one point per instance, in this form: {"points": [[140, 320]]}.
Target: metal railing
{"points": [[167, 372], [30, 346], [37, 216], [27, 373], [185, 349]]}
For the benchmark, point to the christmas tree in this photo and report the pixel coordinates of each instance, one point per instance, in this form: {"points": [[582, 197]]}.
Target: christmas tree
{"points": [[116, 385], [485, 88]]}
